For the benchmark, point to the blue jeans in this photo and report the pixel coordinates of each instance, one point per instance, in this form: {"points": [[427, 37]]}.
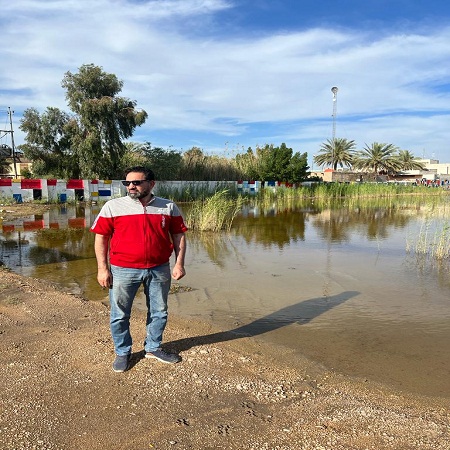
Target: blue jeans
{"points": [[126, 282]]}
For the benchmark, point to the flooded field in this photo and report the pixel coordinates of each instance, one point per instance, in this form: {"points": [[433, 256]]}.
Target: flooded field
{"points": [[342, 285]]}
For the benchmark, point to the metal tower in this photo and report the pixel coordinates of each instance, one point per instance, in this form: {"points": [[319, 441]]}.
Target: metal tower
{"points": [[334, 90]]}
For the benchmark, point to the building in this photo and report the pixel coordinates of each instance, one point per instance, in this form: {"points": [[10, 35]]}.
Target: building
{"points": [[14, 166]]}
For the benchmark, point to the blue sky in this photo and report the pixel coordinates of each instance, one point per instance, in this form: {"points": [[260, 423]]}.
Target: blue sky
{"points": [[225, 75]]}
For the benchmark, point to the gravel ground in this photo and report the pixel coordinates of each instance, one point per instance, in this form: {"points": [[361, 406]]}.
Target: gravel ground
{"points": [[59, 391]]}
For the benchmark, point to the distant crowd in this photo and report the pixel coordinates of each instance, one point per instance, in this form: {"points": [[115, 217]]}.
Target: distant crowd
{"points": [[433, 183]]}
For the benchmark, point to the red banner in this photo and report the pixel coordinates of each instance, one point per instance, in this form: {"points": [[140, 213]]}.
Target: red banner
{"points": [[30, 184], [51, 182], [5, 182], [75, 184]]}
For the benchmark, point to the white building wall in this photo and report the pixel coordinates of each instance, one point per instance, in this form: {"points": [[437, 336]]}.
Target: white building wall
{"points": [[442, 170]]}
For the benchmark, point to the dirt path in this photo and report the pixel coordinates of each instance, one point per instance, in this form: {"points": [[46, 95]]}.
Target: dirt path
{"points": [[59, 392]]}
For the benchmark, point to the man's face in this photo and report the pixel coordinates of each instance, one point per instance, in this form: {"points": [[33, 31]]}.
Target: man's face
{"points": [[143, 189]]}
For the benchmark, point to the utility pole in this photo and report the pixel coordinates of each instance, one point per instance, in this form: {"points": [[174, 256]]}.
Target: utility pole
{"points": [[334, 90], [11, 132], [12, 141]]}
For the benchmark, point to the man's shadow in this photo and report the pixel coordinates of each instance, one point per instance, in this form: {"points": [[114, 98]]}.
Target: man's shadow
{"points": [[300, 313]]}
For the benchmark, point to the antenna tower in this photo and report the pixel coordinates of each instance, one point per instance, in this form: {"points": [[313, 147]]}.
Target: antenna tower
{"points": [[334, 90]]}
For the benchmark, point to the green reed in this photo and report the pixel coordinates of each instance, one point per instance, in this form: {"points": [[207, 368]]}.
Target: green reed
{"points": [[433, 238], [192, 191], [214, 213], [328, 193], [355, 190]]}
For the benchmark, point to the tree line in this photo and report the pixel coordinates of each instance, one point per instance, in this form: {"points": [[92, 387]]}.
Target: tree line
{"points": [[92, 141]]}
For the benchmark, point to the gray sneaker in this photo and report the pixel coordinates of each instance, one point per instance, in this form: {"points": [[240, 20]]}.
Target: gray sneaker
{"points": [[161, 355], [120, 364]]}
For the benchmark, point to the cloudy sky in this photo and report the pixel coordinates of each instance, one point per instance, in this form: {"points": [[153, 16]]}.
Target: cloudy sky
{"points": [[225, 75]]}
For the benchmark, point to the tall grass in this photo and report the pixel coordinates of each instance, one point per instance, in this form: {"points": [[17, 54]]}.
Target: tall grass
{"points": [[214, 213], [354, 190], [433, 238], [217, 211], [192, 191]]}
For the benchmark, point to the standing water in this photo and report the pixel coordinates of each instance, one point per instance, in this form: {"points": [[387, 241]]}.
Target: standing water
{"points": [[343, 285]]}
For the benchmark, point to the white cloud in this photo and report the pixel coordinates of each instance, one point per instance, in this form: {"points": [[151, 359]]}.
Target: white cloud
{"points": [[206, 80]]}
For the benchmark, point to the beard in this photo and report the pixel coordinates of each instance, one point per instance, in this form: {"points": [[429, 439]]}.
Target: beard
{"points": [[138, 194]]}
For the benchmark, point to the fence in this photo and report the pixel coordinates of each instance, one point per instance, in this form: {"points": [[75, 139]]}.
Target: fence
{"points": [[62, 191]]}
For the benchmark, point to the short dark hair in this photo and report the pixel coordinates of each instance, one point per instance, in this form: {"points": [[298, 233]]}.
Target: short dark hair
{"points": [[148, 173]]}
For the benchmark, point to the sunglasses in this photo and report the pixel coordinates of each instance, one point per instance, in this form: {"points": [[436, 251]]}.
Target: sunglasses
{"points": [[134, 182]]}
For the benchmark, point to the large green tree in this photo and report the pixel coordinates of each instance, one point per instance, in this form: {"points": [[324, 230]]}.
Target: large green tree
{"points": [[298, 169], [166, 164], [48, 143], [336, 152], [89, 142], [274, 163]]}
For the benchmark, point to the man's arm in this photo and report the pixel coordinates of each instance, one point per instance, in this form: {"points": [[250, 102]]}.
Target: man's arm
{"points": [[101, 244], [179, 247]]}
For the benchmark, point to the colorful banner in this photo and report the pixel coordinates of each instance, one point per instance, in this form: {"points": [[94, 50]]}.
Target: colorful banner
{"points": [[30, 184], [75, 184]]}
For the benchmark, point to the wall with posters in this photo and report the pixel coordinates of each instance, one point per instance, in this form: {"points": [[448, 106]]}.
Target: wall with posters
{"points": [[59, 191], [62, 191]]}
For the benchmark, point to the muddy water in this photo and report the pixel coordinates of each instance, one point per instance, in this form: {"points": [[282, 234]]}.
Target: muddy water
{"points": [[341, 285]]}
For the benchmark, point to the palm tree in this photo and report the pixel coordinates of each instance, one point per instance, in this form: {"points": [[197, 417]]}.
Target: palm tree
{"points": [[407, 161], [377, 158], [336, 152]]}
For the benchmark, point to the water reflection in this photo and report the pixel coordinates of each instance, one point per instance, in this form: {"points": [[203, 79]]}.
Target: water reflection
{"points": [[58, 247], [60, 235], [275, 228], [333, 281]]}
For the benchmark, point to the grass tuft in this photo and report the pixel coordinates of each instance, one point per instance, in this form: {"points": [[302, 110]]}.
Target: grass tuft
{"points": [[214, 213]]}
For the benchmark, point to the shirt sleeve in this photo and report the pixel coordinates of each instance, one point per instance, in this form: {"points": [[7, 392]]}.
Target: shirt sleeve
{"points": [[104, 222]]}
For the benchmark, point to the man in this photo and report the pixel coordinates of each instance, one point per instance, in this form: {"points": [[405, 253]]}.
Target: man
{"points": [[137, 234]]}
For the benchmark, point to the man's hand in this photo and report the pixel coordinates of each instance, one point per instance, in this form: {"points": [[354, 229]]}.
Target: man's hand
{"points": [[104, 278], [179, 247], [178, 272]]}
